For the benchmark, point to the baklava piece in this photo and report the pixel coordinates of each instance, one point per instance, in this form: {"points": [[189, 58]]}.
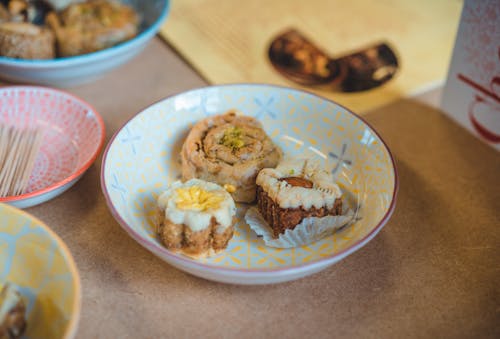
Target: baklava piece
{"points": [[196, 218], [229, 149], [12, 313], [25, 40]]}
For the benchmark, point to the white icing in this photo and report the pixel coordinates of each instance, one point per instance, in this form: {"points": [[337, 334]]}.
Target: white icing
{"points": [[197, 220], [323, 193]]}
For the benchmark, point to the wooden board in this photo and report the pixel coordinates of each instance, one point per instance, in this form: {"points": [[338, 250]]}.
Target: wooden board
{"points": [[226, 41]]}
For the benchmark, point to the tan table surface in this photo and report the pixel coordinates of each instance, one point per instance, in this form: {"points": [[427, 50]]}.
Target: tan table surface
{"points": [[432, 272]]}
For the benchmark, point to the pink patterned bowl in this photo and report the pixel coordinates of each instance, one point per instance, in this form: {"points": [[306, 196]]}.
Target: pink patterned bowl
{"points": [[73, 135]]}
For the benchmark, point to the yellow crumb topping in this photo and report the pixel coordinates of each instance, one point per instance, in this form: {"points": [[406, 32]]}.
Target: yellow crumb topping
{"points": [[196, 198], [230, 188]]}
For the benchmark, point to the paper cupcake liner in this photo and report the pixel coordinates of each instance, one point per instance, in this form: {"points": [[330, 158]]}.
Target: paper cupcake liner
{"points": [[308, 231]]}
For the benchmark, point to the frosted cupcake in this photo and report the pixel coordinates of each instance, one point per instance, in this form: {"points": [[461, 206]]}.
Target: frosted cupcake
{"points": [[196, 218], [298, 203]]}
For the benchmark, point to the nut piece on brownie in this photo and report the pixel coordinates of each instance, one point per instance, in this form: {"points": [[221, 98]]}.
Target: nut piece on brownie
{"points": [[196, 218], [296, 189]]}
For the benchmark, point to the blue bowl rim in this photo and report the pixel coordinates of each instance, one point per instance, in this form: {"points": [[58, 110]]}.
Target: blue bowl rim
{"points": [[91, 57]]}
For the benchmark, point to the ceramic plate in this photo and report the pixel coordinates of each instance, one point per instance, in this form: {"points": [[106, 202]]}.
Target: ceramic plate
{"points": [[73, 135], [143, 158], [35, 259]]}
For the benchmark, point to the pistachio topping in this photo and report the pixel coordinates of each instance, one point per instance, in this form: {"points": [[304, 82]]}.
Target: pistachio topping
{"points": [[233, 138]]}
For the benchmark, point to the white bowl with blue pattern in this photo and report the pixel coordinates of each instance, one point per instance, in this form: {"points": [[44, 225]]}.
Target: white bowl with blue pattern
{"points": [[142, 159], [76, 70]]}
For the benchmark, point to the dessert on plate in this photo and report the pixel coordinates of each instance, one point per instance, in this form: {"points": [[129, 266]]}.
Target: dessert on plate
{"points": [[296, 189], [196, 218], [92, 26], [12, 313], [63, 28], [26, 40], [229, 149]]}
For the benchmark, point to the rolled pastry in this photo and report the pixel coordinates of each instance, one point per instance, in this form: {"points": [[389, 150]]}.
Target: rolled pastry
{"points": [[230, 150]]}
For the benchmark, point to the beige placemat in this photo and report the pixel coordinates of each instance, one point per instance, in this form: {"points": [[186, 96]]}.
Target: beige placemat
{"points": [[226, 41]]}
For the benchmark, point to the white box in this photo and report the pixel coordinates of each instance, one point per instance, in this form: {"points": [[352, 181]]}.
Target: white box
{"points": [[471, 95]]}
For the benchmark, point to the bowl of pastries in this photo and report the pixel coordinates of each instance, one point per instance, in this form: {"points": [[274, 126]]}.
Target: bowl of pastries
{"points": [[70, 42], [249, 183]]}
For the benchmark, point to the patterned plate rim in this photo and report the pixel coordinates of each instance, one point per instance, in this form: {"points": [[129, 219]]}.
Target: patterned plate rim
{"points": [[75, 317], [80, 170], [162, 251]]}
